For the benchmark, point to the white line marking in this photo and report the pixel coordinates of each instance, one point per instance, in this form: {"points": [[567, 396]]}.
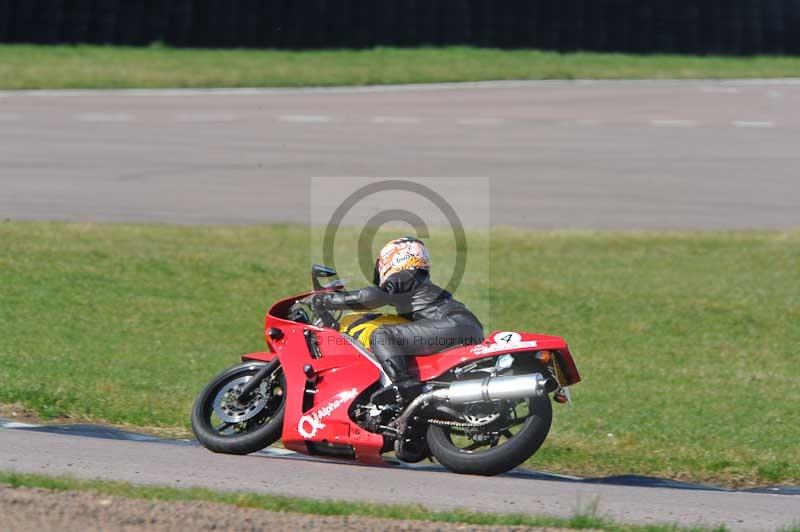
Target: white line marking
{"points": [[673, 123], [783, 82], [9, 117], [753, 124], [395, 120], [719, 89], [305, 119], [104, 117], [278, 451], [194, 118], [481, 121], [587, 123], [16, 425]]}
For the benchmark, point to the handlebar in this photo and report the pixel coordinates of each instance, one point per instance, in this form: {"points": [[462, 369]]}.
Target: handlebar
{"points": [[325, 316]]}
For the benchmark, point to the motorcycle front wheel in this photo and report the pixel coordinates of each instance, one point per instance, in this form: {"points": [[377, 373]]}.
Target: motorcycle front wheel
{"points": [[513, 432], [222, 424]]}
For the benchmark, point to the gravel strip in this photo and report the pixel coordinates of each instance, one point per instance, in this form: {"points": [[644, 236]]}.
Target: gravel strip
{"points": [[34, 510]]}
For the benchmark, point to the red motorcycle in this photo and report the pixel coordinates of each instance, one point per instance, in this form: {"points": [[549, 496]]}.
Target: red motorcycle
{"points": [[484, 409]]}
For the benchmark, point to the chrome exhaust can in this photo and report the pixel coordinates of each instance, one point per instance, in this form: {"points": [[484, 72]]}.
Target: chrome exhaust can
{"points": [[498, 388]]}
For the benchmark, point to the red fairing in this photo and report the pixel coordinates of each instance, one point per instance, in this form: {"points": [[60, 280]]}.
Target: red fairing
{"points": [[342, 374], [258, 357], [433, 366]]}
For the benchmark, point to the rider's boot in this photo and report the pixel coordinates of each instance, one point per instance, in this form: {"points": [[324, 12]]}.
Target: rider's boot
{"points": [[404, 387]]}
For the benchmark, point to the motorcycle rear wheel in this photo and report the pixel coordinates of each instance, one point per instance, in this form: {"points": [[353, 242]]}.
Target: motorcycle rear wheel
{"points": [[223, 425], [445, 443]]}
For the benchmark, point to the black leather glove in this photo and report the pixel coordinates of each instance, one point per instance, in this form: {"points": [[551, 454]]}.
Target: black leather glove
{"points": [[320, 302], [364, 299]]}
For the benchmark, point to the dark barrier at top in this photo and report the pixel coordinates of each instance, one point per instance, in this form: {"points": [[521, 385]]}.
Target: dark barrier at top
{"points": [[645, 26]]}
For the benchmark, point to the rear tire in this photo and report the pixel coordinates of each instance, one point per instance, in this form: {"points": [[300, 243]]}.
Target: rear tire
{"points": [[499, 459], [261, 429]]}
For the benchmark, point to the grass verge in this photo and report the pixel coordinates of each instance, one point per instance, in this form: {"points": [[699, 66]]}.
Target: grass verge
{"points": [[687, 341], [276, 503], [72, 67]]}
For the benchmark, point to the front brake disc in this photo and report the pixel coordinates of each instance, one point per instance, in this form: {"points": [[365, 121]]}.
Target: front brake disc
{"points": [[228, 408]]}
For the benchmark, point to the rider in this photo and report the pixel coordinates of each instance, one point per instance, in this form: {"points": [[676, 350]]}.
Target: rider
{"points": [[402, 279]]}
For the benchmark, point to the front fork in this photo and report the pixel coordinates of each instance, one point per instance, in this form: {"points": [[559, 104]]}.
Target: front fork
{"points": [[253, 384]]}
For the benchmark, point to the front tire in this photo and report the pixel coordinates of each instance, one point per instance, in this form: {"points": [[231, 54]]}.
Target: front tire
{"points": [[446, 444], [223, 425]]}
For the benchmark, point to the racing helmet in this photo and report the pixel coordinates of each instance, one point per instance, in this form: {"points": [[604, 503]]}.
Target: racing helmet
{"points": [[401, 254]]}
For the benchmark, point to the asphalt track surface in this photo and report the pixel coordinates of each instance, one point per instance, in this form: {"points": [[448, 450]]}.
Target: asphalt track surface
{"points": [[622, 155], [184, 464]]}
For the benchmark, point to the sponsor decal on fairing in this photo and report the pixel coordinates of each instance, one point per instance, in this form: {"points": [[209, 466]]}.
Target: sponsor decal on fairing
{"points": [[310, 424]]}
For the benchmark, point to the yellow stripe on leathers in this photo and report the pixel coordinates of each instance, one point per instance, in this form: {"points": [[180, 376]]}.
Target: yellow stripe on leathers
{"points": [[370, 321]]}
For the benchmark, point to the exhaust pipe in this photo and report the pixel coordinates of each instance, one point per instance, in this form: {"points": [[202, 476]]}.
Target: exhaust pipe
{"points": [[488, 389], [497, 388]]}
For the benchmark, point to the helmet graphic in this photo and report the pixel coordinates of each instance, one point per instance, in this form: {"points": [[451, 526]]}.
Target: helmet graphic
{"points": [[407, 253]]}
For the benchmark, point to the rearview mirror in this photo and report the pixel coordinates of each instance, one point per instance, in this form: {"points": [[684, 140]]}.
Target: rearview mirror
{"points": [[318, 270]]}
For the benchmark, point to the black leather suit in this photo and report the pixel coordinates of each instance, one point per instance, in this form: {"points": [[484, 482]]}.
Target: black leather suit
{"points": [[438, 320]]}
